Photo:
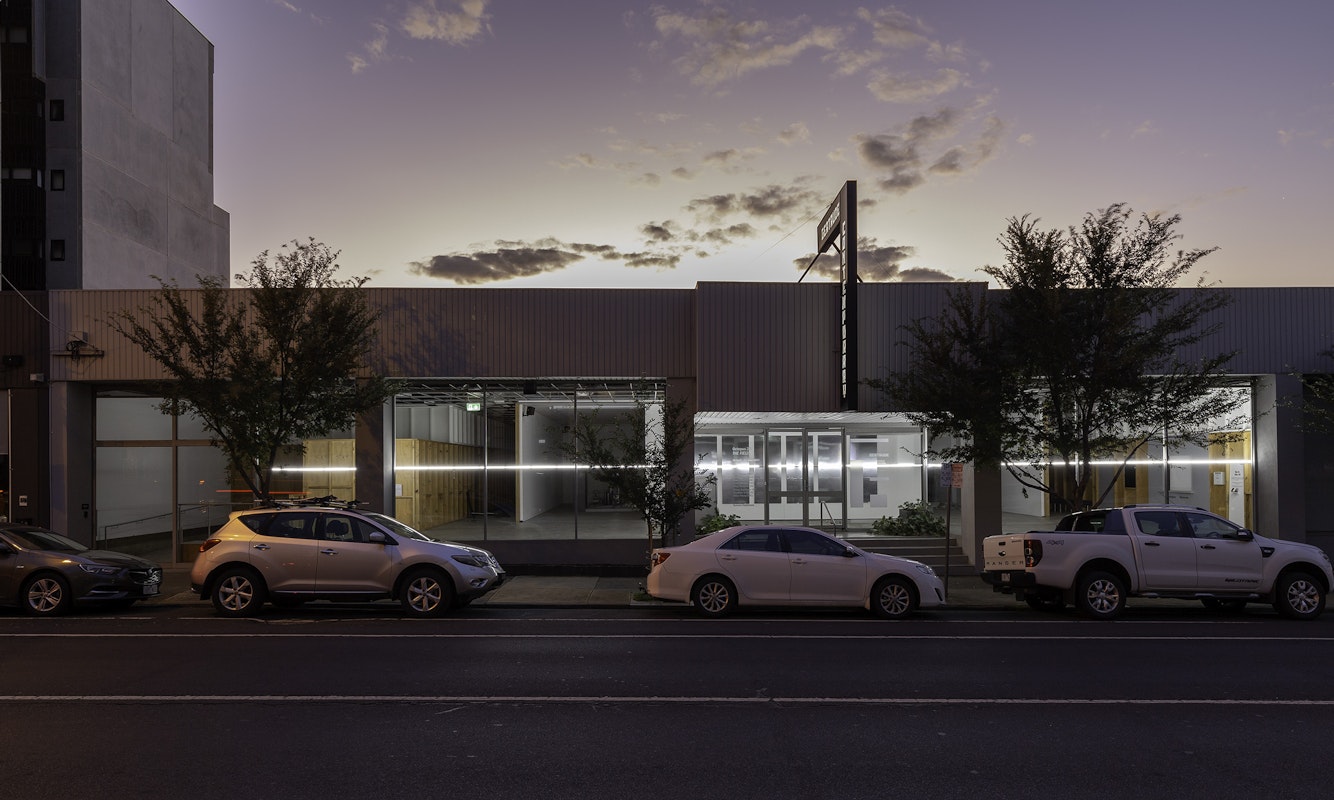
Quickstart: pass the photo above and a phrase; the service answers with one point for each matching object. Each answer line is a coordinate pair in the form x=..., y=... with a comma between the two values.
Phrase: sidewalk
x=564, y=591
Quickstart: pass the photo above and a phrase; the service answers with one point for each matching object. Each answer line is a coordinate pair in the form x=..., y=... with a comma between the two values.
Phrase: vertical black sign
x=839, y=226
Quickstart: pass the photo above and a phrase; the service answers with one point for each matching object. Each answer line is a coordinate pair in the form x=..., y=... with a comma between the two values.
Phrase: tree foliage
x=1318, y=403
x=266, y=368
x=647, y=457
x=1088, y=354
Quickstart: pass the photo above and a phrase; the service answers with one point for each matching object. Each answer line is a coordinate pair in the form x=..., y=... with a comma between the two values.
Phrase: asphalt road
x=656, y=703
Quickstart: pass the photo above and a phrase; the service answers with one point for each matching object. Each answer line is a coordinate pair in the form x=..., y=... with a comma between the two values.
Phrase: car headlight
x=473, y=561
x=924, y=569
x=98, y=569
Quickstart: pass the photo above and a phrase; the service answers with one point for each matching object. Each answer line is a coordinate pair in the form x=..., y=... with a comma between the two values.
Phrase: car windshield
x=399, y=528
x=38, y=539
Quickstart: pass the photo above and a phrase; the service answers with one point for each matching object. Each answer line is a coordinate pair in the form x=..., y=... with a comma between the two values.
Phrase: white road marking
x=672, y=636
x=477, y=699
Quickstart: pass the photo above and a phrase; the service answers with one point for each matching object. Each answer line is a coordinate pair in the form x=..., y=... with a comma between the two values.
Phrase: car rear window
x=257, y=522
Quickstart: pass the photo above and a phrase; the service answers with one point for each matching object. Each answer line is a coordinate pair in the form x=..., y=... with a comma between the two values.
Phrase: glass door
x=805, y=477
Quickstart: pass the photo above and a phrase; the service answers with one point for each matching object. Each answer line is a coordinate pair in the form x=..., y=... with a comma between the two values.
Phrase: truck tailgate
x=1004, y=552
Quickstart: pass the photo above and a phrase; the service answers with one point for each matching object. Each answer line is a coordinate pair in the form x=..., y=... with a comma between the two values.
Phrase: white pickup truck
x=1096, y=559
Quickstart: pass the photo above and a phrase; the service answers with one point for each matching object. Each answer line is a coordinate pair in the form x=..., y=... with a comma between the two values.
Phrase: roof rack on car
x=326, y=501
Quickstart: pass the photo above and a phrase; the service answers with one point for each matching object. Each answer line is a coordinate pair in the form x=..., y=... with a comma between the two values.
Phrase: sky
x=596, y=143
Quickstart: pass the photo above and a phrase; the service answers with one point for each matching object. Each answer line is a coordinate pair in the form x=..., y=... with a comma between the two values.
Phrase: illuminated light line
x=733, y=467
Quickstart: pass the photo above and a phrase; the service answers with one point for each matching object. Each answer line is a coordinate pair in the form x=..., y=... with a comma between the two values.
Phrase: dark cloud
x=900, y=154
x=768, y=202
x=657, y=232
x=497, y=265
x=875, y=264
x=512, y=259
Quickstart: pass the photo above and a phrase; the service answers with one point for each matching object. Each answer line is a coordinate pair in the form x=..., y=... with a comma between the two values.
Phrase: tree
x=1318, y=406
x=1086, y=356
x=645, y=454
x=267, y=368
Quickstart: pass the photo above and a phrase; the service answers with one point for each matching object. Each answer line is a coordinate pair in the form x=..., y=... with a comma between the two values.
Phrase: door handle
x=328, y=551
x=261, y=547
x=1206, y=547
x=1152, y=544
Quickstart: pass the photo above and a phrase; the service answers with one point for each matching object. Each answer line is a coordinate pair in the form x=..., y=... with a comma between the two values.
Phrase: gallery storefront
x=469, y=451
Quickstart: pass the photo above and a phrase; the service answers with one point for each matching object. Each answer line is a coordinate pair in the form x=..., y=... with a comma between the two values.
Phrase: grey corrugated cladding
x=751, y=346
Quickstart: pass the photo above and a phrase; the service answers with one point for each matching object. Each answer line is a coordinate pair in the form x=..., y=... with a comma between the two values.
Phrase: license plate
x=1005, y=577
x=150, y=589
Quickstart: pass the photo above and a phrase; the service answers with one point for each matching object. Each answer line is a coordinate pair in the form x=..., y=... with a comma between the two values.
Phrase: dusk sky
x=593, y=143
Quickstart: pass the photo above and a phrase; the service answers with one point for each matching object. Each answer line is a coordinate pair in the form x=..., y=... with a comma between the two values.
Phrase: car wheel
x=893, y=597
x=46, y=595
x=238, y=593
x=427, y=593
x=1049, y=603
x=1101, y=595
x=1223, y=604
x=713, y=596
x=1298, y=595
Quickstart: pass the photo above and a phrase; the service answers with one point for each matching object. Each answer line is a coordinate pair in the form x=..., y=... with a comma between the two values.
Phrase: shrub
x=914, y=519
x=716, y=522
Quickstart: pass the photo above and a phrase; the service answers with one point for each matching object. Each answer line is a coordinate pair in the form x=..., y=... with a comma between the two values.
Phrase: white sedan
x=789, y=566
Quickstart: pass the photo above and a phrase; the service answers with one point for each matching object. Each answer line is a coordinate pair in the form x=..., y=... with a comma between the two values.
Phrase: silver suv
x=325, y=549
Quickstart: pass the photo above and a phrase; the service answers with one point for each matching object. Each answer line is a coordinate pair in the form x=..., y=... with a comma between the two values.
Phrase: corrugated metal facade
x=22, y=338
x=454, y=333
x=751, y=346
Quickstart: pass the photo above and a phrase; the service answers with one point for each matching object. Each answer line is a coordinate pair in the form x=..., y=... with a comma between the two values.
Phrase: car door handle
x=1206, y=547
x=726, y=558
x=261, y=547
x=1152, y=544
x=329, y=551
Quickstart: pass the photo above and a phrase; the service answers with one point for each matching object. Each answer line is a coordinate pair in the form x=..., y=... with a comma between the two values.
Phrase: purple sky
x=600, y=143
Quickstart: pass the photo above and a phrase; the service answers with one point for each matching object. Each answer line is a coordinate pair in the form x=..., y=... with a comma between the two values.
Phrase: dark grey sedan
x=46, y=574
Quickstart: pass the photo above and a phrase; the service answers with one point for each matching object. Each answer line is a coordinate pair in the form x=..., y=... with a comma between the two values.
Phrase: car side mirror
x=850, y=553
x=377, y=538
x=1245, y=535
x=5, y=549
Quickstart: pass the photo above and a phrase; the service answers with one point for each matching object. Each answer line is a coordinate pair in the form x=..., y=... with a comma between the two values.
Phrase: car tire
x=1100, y=595
x=238, y=592
x=713, y=596
x=1049, y=603
x=427, y=593
x=1299, y=595
x=46, y=595
x=893, y=597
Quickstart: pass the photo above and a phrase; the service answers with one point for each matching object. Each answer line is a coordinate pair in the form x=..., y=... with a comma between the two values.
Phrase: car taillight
x=1032, y=552
x=658, y=557
x=209, y=543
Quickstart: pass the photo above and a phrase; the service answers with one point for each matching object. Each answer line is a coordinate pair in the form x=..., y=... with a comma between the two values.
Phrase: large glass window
x=837, y=471
x=1216, y=474
x=134, y=501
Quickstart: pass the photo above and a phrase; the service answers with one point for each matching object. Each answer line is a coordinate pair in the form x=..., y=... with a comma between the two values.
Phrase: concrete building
x=107, y=147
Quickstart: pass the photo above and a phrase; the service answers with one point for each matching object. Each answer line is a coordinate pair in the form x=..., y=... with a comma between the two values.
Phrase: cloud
x=722, y=49
x=901, y=154
x=875, y=264
x=1144, y=129
x=458, y=23
x=774, y=201
x=374, y=50
x=461, y=22
x=795, y=133
x=894, y=28
x=892, y=88
x=509, y=260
